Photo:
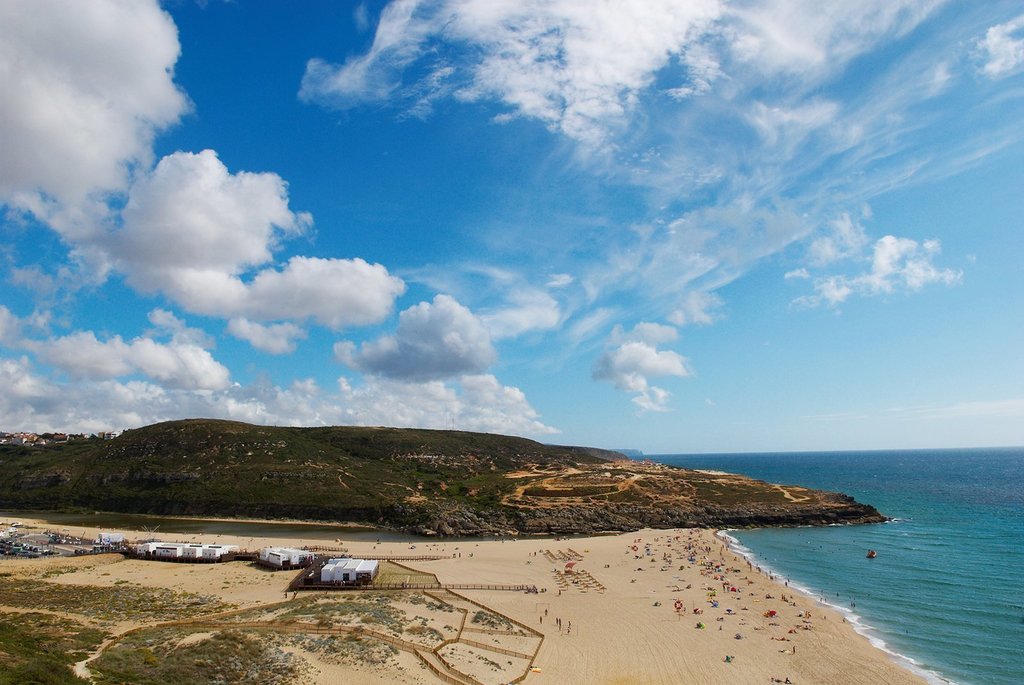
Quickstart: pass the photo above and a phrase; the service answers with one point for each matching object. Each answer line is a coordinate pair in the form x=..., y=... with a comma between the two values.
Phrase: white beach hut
x=214, y=552
x=167, y=550
x=350, y=571
x=193, y=551
x=285, y=557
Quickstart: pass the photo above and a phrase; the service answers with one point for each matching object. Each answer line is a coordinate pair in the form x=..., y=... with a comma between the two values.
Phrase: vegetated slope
x=449, y=482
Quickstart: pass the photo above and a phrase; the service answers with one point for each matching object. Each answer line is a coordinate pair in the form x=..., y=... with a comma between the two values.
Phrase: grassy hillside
x=215, y=467
x=450, y=482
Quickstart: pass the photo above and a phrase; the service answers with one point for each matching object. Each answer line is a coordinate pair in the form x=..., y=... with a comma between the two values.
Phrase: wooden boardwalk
x=303, y=583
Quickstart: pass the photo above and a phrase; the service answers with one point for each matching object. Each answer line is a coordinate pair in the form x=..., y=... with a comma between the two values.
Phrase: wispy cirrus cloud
x=576, y=67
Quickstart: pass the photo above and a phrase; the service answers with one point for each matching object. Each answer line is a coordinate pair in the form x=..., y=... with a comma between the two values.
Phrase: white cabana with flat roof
x=217, y=551
x=167, y=551
x=285, y=557
x=192, y=551
x=183, y=550
x=348, y=570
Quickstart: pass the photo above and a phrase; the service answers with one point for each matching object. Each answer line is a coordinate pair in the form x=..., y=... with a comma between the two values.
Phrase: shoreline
x=654, y=644
x=852, y=617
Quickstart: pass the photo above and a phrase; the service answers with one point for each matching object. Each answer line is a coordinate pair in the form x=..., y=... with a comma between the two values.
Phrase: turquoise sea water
x=946, y=591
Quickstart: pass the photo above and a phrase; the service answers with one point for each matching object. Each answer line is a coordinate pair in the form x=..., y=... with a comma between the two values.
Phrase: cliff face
x=572, y=521
x=432, y=482
x=623, y=496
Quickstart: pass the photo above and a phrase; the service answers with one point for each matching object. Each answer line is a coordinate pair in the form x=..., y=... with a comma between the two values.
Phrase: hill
x=428, y=481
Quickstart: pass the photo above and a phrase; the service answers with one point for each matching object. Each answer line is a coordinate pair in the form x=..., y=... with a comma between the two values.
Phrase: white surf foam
x=854, y=619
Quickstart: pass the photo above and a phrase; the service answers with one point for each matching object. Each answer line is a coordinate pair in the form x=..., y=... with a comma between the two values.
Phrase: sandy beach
x=650, y=607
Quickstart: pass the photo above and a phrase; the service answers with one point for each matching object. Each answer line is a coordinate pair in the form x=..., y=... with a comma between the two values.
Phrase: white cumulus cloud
x=279, y=338
x=190, y=212
x=635, y=358
x=87, y=86
x=434, y=340
x=194, y=231
x=178, y=365
x=477, y=402
x=1002, y=48
x=895, y=264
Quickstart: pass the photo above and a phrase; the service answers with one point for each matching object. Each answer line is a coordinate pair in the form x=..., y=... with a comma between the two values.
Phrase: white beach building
x=285, y=557
x=192, y=551
x=213, y=552
x=168, y=551
x=350, y=571
x=183, y=550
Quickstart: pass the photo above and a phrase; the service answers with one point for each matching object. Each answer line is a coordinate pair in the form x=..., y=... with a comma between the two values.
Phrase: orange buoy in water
x=872, y=554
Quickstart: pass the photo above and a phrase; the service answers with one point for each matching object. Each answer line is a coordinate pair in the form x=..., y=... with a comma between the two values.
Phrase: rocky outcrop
x=42, y=480
x=463, y=521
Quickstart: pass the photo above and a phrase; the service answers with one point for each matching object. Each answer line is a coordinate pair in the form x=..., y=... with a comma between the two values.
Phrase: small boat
x=872, y=554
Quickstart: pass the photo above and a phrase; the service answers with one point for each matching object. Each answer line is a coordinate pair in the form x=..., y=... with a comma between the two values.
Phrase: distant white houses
x=183, y=550
x=285, y=557
x=351, y=571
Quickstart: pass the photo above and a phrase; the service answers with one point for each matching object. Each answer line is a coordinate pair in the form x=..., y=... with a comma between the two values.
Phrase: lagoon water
x=946, y=590
x=180, y=528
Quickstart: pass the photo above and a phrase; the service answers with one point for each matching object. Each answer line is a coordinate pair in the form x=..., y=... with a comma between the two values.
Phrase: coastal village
x=654, y=606
x=28, y=439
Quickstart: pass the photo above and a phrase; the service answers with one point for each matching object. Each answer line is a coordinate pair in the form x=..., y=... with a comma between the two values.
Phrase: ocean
x=945, y=593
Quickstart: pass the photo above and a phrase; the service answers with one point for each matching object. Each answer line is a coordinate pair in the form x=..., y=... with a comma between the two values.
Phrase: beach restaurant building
x=285, y=557
x=349, y=571
x=183, y=550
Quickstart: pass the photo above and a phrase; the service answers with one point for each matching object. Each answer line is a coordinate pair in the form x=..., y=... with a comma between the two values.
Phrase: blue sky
x=677, y=227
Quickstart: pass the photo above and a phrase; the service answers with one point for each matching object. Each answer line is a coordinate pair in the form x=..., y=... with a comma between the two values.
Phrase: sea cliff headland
x=449, y=483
